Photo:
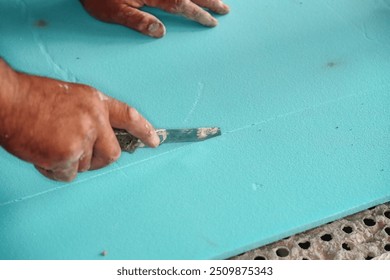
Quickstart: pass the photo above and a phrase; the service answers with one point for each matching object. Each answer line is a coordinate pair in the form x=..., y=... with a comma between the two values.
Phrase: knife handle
x=127, y=142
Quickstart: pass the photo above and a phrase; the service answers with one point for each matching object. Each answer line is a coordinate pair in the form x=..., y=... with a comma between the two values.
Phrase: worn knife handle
x=127, y=142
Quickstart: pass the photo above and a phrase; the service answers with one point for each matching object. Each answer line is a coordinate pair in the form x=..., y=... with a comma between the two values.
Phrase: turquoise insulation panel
x=301, y=90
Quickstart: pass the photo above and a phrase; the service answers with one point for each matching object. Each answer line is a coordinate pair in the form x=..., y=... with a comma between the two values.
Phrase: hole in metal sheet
x=259, y=258
x=372, y=208
x=305, y=259
x=326, y=237
x=282, y=252
x=387, y=230
x=387, y=247
x=387, y=214
x=304, y=245
x=346, y=247
x=347, y=229
x=369, y=222
x=369, y=257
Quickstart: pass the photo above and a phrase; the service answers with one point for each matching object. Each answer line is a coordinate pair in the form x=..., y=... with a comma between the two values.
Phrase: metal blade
x=187, y=135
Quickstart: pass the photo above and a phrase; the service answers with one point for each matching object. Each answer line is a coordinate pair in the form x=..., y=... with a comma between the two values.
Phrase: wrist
x=8, y=84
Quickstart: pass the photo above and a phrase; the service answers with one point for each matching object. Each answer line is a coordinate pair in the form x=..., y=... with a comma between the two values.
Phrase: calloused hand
x=127, y=13
x=64, y=128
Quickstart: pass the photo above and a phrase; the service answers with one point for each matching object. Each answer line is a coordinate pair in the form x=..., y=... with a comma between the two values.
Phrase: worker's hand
x=65, y=128
x=127, y=13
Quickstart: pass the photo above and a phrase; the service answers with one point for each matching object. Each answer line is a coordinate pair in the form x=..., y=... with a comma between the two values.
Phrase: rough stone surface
x=365, y=235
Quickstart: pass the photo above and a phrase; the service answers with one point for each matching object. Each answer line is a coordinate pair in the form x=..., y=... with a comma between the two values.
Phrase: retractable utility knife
x=129, y=143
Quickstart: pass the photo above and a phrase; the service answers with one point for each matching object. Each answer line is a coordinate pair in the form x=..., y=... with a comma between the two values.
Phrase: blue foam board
x=301, y=90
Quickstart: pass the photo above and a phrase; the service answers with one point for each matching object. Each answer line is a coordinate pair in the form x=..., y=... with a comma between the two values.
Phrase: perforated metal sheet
x=365, y=235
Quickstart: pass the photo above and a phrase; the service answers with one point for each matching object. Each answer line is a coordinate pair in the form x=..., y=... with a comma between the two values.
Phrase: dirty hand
x=127, y=13
x=64, y=128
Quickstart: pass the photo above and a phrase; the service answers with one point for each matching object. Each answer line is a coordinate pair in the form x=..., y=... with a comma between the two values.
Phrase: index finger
x=188, y=9
x=214, y=5
x=196, y=13
x=126, y=117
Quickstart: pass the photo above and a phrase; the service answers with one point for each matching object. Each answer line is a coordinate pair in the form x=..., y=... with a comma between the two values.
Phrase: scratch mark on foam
x=360, y=27
x=23, y=7
x=195, y=104
x=60, y=72
x=365, y=33
x=119, y=168
x=285, y=115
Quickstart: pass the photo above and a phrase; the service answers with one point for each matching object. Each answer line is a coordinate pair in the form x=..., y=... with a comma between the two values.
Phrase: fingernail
x=85, y=169
x=224, y=10
x=208, y=21
x=214, y=22
x=155, y=140
x=156, y=30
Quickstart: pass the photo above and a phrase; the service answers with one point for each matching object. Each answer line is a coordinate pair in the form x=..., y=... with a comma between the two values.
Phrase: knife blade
x=130, y=143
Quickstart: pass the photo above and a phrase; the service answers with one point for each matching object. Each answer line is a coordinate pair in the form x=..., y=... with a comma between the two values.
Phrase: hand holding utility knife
x=129, y=143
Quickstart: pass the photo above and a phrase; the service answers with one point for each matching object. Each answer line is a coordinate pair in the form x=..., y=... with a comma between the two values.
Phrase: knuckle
x=91, y=92
x=177, y=6
x=132, y=114
x=196, y=14
x=110, y=154
x=115, y=153
x=84, y=168
x=64, y=173
x=179, y=3
x=65, y=176
x=70, y=152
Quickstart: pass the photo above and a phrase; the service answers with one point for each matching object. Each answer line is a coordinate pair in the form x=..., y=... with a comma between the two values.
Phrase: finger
x=125, y=117
x=196, y=13
x=64, y=174
x=85, y=161
x=140, y=21
x=216, y=6
x=189, y=10
x=106, y=149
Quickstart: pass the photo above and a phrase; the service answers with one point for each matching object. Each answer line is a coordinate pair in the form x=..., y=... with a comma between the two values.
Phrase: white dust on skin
x=101, y=95
x=199, y=15
x=162, y=134
x=140, y=144
x=153, y=29
x=203, y=133
x=65, y=87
